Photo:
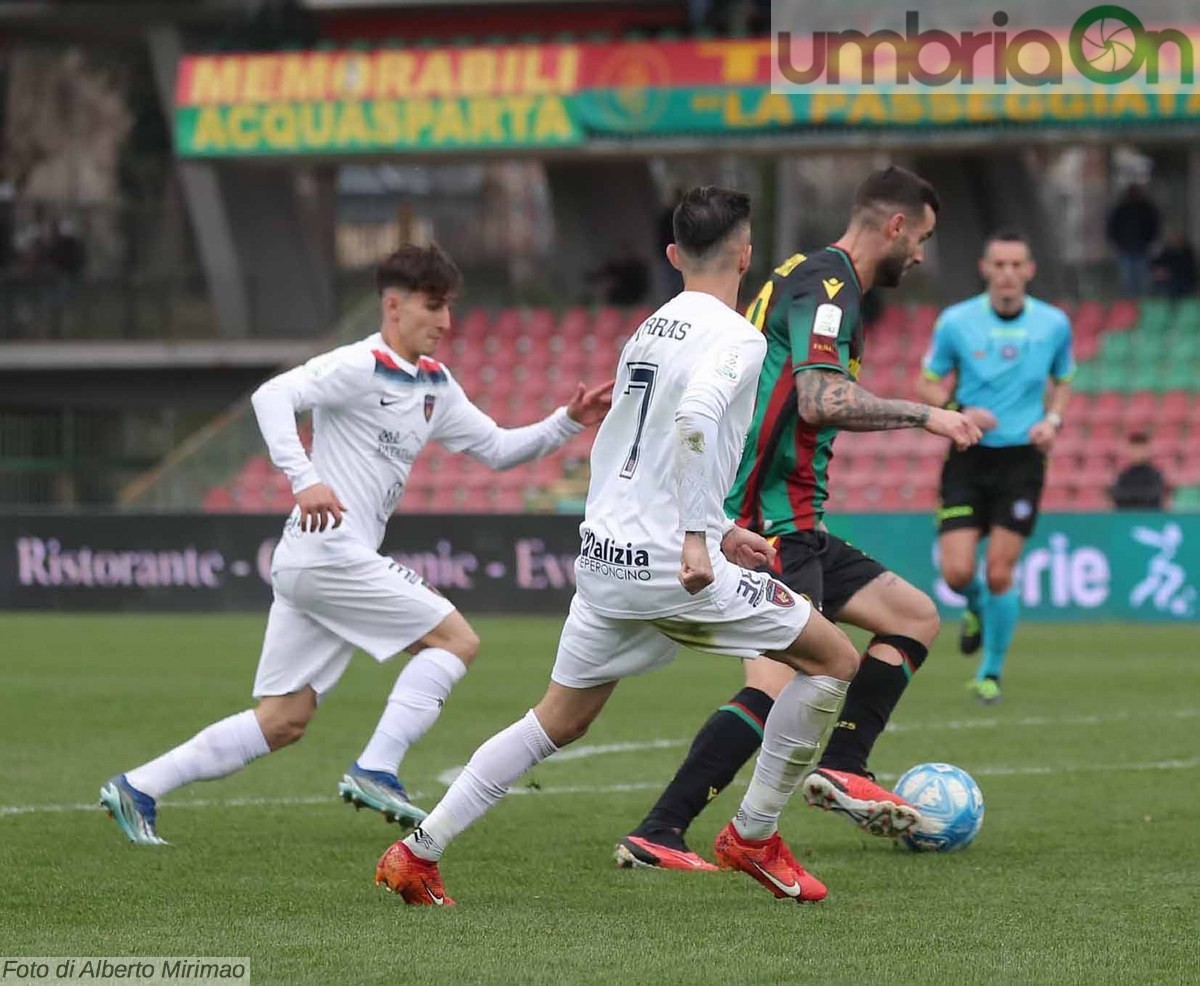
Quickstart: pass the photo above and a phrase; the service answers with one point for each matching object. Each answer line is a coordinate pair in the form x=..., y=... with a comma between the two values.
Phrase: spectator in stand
x=1133, y=226
x=1174, y=266
x=1140, y=485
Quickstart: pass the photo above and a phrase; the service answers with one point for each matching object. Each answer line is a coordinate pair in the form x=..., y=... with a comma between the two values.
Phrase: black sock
x=718, y=752
x=870, y=699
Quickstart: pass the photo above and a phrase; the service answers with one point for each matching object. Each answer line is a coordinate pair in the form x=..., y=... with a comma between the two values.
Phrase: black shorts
x=823, y=567
x=992, y=487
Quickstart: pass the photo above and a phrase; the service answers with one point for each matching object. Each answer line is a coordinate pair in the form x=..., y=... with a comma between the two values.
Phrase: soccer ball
x=950, y=803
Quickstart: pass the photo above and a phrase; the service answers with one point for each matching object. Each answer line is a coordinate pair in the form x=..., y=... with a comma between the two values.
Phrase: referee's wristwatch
x=1055, y=419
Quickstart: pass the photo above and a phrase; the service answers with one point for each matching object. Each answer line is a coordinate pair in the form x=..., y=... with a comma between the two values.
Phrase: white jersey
x=373, y=412
x=694, y=347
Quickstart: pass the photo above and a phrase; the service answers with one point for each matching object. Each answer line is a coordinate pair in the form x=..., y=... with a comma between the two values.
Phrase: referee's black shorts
x=992, y=487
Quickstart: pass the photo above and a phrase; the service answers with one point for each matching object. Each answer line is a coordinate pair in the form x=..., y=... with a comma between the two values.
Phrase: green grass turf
x=1086, y=870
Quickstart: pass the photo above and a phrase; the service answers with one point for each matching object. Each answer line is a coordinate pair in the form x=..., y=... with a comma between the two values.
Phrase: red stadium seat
x=219, y=500
x=1088, y=317
x=1142, y=405
x=1180, y=406
x=607, y=323
x=540, y=323
x=472, y=328
x=573, y=326
x=1122, y=314
x=1056, y=498
x=1106, y=409
x=1090, y=498
x=921, y=319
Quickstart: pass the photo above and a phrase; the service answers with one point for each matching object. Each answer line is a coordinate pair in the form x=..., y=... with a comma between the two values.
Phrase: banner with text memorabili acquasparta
x=547, y=96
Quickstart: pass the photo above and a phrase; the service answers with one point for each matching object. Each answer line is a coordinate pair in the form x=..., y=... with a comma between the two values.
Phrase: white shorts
x=750, y=614
x=321, y=614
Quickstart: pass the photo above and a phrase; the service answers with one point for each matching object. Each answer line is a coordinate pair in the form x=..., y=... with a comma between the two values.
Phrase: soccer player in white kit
x=659, y=568
x=375, y=404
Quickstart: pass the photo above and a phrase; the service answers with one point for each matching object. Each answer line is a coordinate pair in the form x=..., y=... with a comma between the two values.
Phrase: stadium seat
x=540, y=323
x=573, y=326
x=1143, y=406
x=472, y=328
x=1179, y=406
x=1122, y=314
x=1106, y=409
x=219, y=500
x=1056, y=498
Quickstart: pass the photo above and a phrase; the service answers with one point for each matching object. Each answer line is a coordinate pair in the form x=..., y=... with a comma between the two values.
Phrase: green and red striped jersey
x=809, y=312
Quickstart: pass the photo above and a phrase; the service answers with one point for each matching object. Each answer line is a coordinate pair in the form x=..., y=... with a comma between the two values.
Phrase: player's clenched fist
x=318, y=505
x=695, y=566
x=957, y=427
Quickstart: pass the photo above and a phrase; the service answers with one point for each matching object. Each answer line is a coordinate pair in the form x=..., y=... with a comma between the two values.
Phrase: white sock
x=414, y=705
x=792, y=735
x=215, y=751
x=483, y=782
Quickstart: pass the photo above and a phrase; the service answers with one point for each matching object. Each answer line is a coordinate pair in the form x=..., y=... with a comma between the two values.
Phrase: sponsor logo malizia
x=608, y=557
x=606, y=549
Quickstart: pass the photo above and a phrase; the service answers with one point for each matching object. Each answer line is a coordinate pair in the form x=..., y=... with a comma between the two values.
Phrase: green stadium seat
x=1144, y=376
x=1086, y=380
x=1184, y=345
x=1156, y=315
x=1112, y=376
x=1117, y=346
x=1187, y=315
x=1180, y=376
x=1187, y=498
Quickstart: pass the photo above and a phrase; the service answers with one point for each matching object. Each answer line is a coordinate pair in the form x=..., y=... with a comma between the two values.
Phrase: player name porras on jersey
x=607, y=557
x=666, y=328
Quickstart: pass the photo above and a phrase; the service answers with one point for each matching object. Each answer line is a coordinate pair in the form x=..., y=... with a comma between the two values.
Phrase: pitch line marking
x=1031, y=721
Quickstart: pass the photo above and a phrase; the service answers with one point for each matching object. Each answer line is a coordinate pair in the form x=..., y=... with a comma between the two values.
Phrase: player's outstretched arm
x=829, y=399
x=465, y=428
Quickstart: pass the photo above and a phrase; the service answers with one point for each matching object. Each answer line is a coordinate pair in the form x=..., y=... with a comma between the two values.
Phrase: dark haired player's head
x=417, y=285
x=712, y=236
x=894, y=213
x=1007, y=266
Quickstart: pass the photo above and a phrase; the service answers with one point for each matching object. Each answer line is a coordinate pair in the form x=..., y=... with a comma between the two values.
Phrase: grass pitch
x=1086, y=871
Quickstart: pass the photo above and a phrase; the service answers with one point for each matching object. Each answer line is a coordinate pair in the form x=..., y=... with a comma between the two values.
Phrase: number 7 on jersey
x=641, y=377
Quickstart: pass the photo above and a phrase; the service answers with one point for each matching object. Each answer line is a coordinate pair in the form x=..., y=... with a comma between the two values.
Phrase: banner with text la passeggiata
x=1076, y=567
x=565, y=95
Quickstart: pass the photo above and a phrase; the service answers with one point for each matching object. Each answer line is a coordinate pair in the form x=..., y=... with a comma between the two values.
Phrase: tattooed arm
x=828, y=399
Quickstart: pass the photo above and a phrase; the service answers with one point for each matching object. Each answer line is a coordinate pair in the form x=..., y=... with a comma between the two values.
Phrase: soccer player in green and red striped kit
x=809, y=311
